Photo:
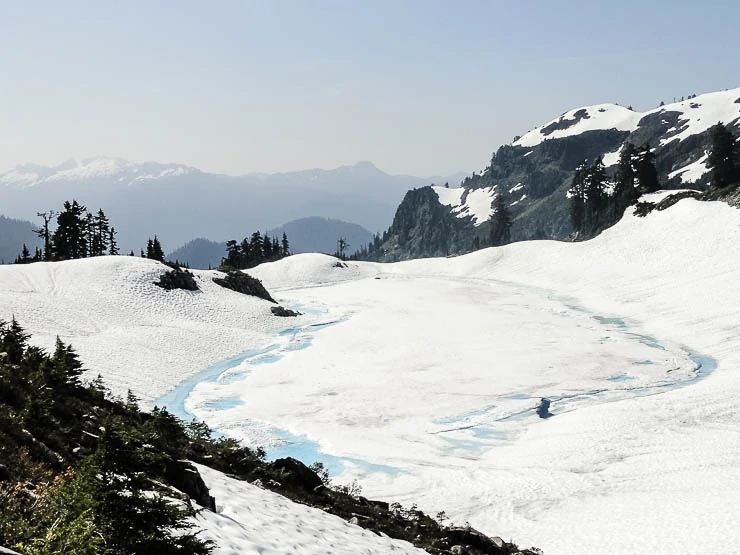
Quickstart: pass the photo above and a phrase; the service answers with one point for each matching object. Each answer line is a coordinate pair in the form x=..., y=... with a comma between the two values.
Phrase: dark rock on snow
x=177, y=278
x=282, y=311
x=543, y=410
x=298, y=473
x=185, y=477
x=245, y=284
x=465, y=535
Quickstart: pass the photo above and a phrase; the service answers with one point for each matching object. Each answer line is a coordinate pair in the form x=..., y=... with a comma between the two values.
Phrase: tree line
x=78, y=234
x=254, y=250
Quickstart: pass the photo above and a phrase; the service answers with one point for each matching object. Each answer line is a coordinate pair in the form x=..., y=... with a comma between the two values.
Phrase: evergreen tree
x=285, y=246
x=255, y=246
x=246, y=254
x=113, y=244
x=500, y=231
x=67, y=366
x=596, y=197
x=625, y=192
x=25, y=257
x=70, y=238
x=724, y=169
x=647, y=175
x=266, y=248
x=14, y=340
x=100, y=234
x=233, y=255
x=577, y=196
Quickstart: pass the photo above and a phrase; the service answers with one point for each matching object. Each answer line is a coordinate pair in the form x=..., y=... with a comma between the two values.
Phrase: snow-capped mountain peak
x=109, y=169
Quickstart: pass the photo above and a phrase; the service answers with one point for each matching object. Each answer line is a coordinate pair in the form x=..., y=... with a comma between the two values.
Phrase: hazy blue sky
x=419, y=87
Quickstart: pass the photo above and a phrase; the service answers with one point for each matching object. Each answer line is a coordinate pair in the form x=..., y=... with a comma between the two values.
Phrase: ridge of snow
x=478, y=203
x=696, y=116
x=600, y=116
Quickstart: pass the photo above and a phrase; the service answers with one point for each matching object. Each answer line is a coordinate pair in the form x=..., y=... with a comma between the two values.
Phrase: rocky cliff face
x=535, y=171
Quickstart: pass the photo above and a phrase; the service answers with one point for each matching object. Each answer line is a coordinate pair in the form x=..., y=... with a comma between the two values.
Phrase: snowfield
x=421, y=378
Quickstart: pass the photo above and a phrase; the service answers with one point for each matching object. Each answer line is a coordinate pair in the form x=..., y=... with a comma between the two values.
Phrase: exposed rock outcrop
x=244, y=283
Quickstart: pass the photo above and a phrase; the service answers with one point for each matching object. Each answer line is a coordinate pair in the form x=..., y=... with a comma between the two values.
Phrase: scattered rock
x=298, y=473
x=245, y=284
x=177, y=278
x=185, y=477
x=642, y=209
x=338, y=264
x=467, y=536
x=282, y=311
x=543, y=410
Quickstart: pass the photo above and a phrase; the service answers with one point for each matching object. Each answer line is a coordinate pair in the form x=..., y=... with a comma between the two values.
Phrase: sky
x=422, y=87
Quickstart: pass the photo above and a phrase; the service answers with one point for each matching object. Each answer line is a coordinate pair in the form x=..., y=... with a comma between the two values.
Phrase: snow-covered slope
x=695, y=116
x=136, y=334
x=424, y=387
x=250, y=520
x=580, y=120
x=476, y=204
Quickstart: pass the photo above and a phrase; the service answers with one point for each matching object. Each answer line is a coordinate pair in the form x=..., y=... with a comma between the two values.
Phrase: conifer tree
x=647, y=175
x=70, y=238
x=285, y=245
x=577, y=196
x=722, y=160
x=113, y=244
x=500, y=231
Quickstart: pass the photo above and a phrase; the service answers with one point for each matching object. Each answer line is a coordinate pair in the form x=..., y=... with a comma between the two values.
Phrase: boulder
x=298, y=473
x=543, y=410
x=185, y=477
x=282, y=311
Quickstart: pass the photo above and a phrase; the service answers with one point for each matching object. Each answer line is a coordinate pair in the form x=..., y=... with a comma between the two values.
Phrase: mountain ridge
x=536, y=170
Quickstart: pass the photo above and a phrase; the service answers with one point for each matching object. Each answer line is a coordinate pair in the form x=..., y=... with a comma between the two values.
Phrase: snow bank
x=251, y=520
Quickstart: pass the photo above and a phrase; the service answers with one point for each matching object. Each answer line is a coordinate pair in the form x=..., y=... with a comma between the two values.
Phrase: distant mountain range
x=179, y=202
x=536, y=170
x=312, y=234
